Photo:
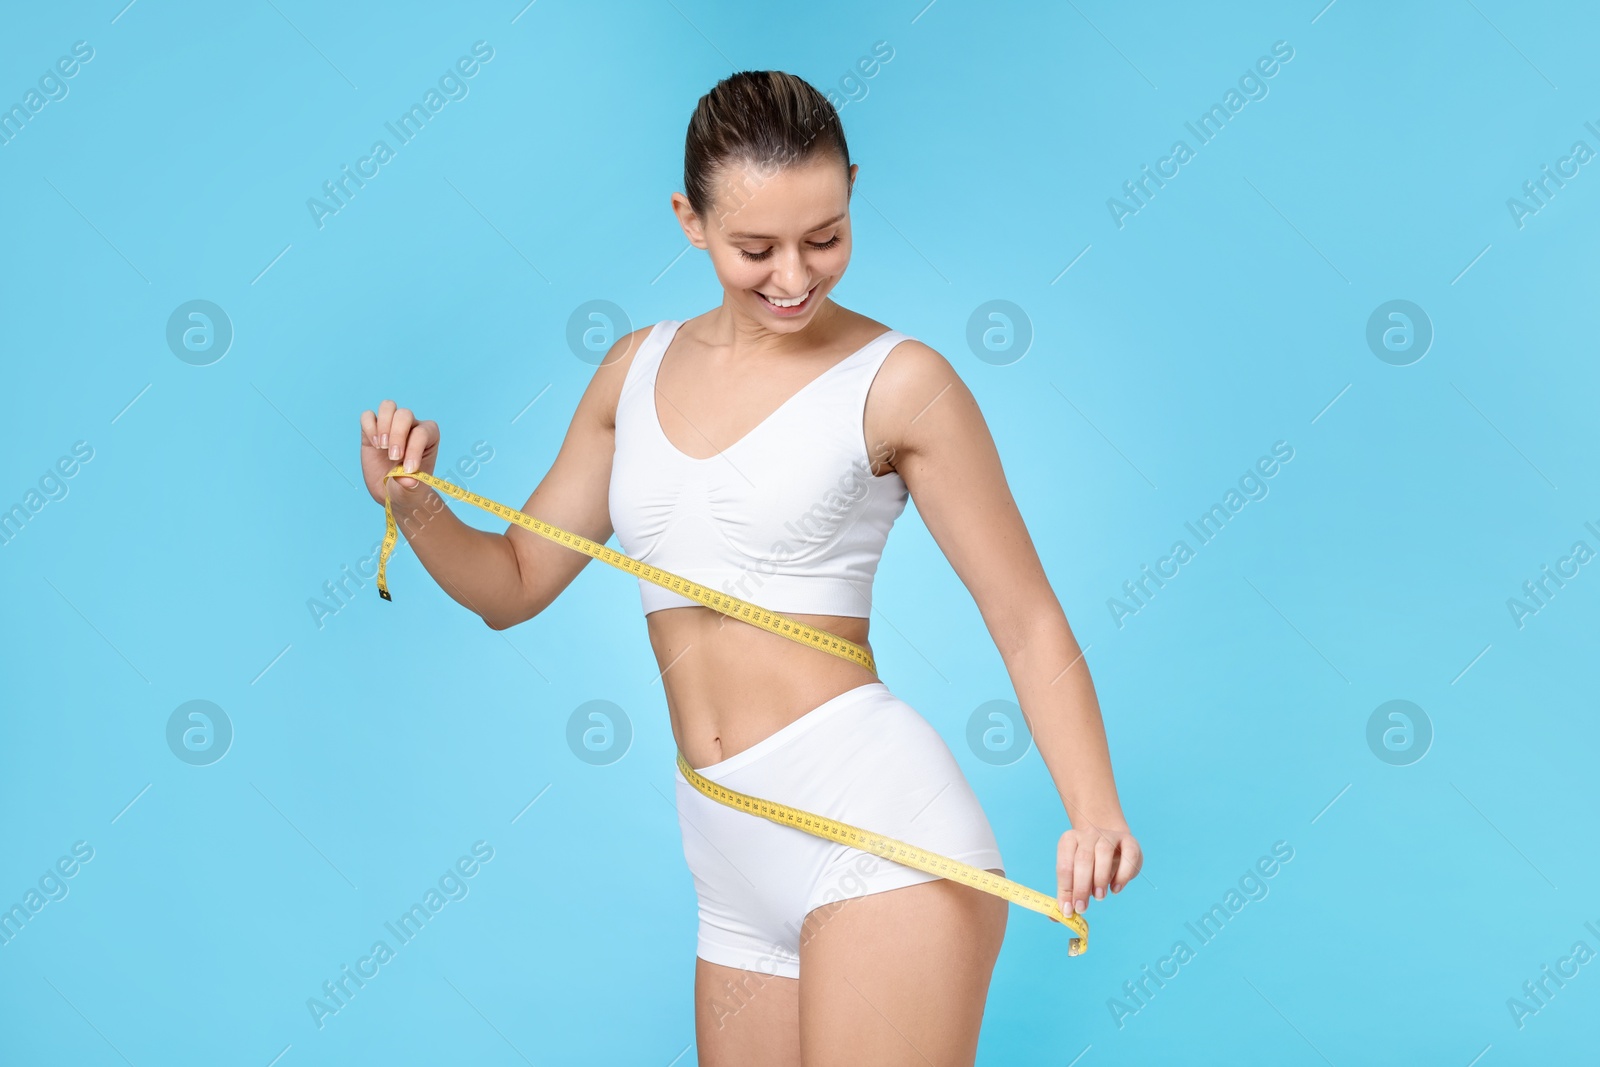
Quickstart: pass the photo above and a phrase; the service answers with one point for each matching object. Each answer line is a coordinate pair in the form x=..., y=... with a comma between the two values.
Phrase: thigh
x=745, y=1018
x=898, y=977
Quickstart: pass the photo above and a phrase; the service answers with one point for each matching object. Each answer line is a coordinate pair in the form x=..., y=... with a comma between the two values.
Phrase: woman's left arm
x=936, y=438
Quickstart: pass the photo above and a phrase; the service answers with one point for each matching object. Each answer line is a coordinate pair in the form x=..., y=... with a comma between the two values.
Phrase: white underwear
x=865, y=757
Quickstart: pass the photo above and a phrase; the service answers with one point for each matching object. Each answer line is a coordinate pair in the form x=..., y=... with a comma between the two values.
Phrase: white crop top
x=788, y=517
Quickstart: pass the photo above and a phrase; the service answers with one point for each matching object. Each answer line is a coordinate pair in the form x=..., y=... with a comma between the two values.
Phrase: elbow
x=521, y=610
x=508, y=620
x=1044, y=624
x=521, y=606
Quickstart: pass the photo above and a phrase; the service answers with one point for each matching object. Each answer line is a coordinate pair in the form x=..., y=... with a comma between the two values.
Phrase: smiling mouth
x=788, y=304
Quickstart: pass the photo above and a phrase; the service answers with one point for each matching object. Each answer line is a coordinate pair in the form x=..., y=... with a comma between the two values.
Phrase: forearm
x=476, y=568
x=1053, y=686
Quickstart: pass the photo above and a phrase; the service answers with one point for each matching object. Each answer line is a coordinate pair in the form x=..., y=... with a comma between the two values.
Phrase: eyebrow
x=769, y=237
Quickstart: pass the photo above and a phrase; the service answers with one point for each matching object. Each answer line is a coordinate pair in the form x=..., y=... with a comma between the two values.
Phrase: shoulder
x=911, y=376
x=915, y=399
x=605, y=385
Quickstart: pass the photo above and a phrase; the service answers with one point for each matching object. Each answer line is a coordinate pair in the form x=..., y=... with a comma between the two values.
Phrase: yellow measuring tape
x=817, y=825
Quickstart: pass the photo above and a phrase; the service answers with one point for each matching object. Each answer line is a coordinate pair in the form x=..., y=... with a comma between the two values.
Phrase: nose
x=790, y=273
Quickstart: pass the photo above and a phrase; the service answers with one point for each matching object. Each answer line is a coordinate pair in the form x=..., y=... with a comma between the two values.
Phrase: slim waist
x=850, y=698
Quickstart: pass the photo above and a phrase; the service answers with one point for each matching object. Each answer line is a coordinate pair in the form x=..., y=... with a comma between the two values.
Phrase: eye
x=756, y=257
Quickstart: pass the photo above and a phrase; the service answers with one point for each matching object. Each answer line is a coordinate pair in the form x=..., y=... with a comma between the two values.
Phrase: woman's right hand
x=391, y=436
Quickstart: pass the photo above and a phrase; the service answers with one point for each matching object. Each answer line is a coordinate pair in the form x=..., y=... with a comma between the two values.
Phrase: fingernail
x=394, y=453
x=383, y=442
x=1099, y=894
x=1082, y=904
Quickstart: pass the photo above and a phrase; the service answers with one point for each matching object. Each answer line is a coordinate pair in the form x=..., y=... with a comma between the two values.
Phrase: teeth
x=787, y=303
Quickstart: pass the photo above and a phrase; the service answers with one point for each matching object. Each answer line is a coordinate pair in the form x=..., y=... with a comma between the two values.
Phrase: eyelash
x=758, y=256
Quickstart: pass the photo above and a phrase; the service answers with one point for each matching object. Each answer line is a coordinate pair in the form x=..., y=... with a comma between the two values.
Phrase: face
x=779, y=239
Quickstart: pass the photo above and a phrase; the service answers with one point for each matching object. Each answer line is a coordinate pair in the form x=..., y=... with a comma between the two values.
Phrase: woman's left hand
x=1091, y=860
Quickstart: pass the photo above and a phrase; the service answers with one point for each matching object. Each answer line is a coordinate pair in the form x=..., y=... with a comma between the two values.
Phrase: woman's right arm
x=509, y=577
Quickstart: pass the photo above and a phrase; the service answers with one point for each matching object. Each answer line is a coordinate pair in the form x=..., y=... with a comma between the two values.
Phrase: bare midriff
x=729, y=684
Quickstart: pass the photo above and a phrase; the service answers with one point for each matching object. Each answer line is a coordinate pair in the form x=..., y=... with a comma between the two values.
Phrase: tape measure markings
x=817, y=825
x=893, y=849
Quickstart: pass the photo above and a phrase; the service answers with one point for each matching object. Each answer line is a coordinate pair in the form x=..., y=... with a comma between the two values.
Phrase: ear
x=852, y=186
x=693, y=227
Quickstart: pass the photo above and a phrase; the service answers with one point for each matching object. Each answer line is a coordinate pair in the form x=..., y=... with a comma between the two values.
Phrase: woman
x=764, y=448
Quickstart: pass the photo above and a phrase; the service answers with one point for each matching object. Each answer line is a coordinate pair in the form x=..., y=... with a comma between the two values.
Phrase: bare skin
x=728, y=685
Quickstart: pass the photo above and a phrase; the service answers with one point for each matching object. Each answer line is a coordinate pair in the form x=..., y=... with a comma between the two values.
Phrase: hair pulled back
x=762, y=117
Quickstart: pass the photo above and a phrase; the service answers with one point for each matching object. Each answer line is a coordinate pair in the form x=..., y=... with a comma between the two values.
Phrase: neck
x=743, y=335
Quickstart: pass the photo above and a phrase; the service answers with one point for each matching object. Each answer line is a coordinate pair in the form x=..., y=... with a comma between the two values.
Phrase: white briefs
x=865, y=757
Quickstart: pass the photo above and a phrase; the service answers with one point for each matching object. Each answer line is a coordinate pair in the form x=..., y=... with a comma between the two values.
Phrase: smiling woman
x=763, y=176
x=697, y=442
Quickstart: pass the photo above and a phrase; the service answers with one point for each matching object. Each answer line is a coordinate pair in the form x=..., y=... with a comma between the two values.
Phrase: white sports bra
x=788, y=517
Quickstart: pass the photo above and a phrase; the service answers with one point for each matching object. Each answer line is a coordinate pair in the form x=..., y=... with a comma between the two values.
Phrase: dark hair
x=764, y=117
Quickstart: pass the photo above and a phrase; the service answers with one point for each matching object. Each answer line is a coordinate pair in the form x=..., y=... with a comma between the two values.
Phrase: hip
x=864, y=757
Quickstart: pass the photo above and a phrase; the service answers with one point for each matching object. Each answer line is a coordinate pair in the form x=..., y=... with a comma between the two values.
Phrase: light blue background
x=1225, y=315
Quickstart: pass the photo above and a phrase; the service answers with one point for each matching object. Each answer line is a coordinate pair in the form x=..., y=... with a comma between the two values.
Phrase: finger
x=369, y=428
x=385, y=416
x=1064, y=855
x=416, y=444
x=430, y=444
x=1105, y=851
x=1129, y=863
x=399, y=430
x=1082, y=875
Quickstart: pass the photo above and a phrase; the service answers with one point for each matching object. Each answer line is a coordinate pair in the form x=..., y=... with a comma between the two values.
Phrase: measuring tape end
x=1078, y=945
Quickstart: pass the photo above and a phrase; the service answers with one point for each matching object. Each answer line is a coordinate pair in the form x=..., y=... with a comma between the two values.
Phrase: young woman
x=764, y=448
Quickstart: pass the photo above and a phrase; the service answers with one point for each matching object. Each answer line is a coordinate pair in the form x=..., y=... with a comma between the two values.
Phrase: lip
x=787, y=313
